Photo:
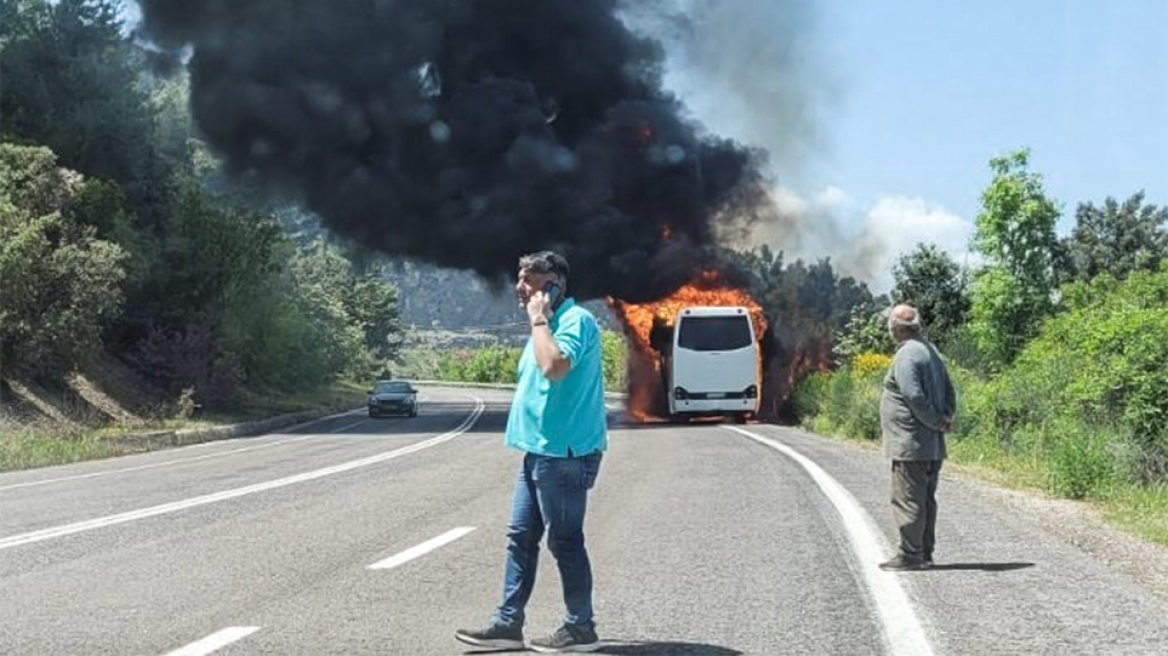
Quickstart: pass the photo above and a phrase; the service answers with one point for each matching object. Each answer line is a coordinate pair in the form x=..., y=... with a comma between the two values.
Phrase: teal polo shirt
x=553, y=417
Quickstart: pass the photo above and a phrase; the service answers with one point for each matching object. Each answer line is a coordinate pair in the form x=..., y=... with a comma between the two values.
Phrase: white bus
x=713, y=368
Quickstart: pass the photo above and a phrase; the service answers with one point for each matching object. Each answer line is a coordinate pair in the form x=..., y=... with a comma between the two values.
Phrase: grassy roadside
x=1138, y=510
x=47, y=443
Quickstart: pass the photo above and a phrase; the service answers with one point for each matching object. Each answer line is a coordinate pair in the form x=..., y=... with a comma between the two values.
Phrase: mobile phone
x=555, y=294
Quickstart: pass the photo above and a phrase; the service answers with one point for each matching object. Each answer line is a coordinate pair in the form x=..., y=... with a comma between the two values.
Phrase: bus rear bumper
x=713, y=406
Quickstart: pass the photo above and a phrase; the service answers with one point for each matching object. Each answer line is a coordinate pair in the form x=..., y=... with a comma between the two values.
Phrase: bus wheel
x=741, y=417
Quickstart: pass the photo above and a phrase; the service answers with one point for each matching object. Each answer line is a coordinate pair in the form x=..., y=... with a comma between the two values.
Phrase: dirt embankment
x=103, y=392
x=134, y=415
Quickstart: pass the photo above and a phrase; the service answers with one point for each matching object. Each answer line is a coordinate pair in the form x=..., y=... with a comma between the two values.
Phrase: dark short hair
x=545, y=262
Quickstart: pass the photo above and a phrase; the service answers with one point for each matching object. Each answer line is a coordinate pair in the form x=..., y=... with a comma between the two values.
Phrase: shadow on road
x=984, y=567
x=646, y=648
x=662, y=648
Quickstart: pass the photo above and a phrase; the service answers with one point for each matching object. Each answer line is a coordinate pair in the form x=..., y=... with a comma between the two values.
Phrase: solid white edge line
x=347, y=427
x=422, y=549
x=142, y=513
x=215, y=641
x=902, y=629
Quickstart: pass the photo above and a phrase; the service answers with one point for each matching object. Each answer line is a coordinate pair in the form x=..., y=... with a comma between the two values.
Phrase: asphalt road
x=359, y=536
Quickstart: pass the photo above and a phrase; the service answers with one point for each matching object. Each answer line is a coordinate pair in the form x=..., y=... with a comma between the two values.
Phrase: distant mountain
x=432, y=298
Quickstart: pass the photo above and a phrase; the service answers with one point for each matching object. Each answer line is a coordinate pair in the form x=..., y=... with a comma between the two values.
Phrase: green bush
x=1085, y=402
x=970, y=388
x=1103, y=361
x=811, y=395
x=615, y=354
x=1080, y=459
x=847, y=401
x=500, y=364
x=234, y=304
x=450, y=364
x=840, y=399
x=58, y=281
x=862, y=418
x=494, y=364
x=490, y=364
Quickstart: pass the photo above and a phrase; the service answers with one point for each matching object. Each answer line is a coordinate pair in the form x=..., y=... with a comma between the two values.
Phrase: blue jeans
x=551, y=494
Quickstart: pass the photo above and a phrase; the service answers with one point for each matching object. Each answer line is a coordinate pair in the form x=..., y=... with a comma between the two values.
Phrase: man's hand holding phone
x=537, y=308
x=543, y=303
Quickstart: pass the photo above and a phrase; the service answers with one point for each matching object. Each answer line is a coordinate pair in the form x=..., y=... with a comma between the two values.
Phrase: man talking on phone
x=558, y=421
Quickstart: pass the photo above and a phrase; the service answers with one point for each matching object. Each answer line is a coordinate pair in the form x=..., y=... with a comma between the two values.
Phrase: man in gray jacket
x=916, y=410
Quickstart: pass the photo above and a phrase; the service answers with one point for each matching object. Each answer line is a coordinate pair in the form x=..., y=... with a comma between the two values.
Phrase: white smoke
x=757, y=71
x=862, y=242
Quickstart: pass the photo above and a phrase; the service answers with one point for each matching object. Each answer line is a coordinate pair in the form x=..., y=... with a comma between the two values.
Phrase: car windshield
x=392, y=387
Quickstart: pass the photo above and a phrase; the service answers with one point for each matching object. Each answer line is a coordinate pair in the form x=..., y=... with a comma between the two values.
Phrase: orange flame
x=645, y=324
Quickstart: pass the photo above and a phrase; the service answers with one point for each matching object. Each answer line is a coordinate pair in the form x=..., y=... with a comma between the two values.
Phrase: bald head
x=904, y=322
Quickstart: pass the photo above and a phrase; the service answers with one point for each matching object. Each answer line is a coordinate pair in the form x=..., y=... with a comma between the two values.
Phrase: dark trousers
x=914, y=505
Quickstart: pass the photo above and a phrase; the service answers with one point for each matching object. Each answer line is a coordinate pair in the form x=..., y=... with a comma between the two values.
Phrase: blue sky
x=933, y=91
x=882, y=116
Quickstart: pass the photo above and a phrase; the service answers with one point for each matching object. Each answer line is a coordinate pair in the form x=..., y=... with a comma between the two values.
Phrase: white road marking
x=902, y=630
x=345, y=428
x=422, y=549
x=180, y=461
x=215, y=641
x=121, y=518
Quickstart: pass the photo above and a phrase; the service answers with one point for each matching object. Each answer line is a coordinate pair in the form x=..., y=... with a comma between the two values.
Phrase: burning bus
x=711, y=366
x=705, y=338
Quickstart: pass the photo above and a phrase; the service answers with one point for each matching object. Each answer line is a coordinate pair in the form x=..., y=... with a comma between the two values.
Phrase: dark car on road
x=393, y=397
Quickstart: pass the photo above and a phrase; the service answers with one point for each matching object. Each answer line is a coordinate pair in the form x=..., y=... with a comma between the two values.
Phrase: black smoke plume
x=465, y=132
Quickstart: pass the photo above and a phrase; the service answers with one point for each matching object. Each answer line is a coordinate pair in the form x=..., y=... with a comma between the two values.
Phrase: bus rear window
x=714, y=333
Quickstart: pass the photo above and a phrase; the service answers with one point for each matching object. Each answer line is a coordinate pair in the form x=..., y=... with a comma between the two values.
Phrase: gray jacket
x=918, y=397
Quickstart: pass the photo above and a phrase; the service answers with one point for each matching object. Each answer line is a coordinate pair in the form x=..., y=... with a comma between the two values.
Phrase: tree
x=1013, y=293
x=217, y=296
x=814, y=314
x=59, y=283
x=930, y=280
x=1101, y=367
x=71, y=82
x=1118, y=239
x=810, y=300
x=865, y=332
x=371, y=304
